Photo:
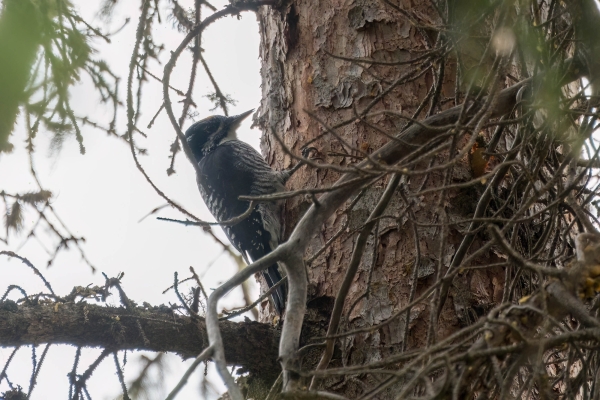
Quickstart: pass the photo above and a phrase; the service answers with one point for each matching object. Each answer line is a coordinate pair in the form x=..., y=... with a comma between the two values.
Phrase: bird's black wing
x=230, y=171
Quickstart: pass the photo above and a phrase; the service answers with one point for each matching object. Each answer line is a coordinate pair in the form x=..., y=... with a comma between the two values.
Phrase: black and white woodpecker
x=229, y=168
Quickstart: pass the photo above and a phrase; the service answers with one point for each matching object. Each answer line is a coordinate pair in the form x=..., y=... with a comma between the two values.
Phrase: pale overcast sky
x=102, y=196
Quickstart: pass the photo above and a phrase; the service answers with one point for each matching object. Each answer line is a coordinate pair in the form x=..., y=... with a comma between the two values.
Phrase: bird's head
x=205, y=135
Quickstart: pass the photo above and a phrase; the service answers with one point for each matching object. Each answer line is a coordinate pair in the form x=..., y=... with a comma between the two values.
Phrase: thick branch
x=251, y=345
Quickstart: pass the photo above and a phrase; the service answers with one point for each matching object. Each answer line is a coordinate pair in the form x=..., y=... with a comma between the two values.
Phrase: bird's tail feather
x=279, y=296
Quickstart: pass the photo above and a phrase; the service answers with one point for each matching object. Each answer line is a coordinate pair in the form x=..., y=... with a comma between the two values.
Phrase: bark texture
x=299, y=75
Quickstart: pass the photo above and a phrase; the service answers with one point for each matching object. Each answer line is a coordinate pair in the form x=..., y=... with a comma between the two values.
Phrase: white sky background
x=102, y=196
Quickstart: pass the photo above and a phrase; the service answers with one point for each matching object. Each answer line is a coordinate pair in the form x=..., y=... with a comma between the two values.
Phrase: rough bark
x=298, y=75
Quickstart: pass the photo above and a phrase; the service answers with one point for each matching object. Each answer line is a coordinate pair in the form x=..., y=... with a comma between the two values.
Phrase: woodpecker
x=229, y=168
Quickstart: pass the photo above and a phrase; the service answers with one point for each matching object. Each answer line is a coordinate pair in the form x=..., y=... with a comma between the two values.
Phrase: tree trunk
x=327, y=64
x=300, y=77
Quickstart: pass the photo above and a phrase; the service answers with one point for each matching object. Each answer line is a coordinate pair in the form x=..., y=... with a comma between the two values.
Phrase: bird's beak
x=236, y=119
